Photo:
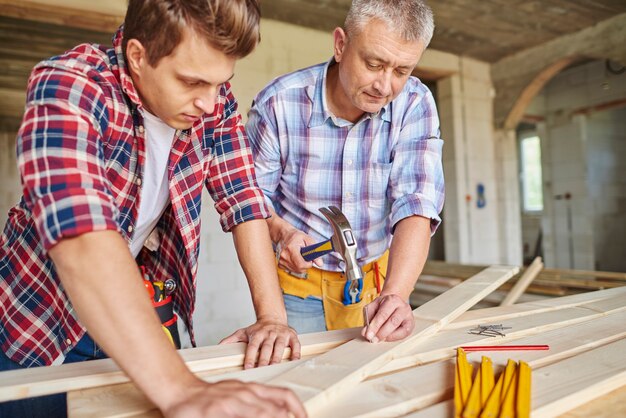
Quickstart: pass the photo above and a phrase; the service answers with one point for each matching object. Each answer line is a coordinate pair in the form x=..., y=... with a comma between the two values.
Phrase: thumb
x=238, y=336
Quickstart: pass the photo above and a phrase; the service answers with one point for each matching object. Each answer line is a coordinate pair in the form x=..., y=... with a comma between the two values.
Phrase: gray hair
x=413, y=19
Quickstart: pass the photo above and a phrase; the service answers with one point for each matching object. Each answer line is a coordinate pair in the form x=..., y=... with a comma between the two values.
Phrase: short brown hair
x=231, y=26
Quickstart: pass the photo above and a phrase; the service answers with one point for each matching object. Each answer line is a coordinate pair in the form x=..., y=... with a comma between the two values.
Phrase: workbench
x=583, y=373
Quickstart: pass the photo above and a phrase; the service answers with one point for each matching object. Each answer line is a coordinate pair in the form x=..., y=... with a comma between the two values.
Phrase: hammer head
x=343, y=241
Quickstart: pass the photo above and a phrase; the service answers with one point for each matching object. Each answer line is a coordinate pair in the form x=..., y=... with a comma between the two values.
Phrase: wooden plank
x=328, y=376
x=443, y=345
x=508, y=312
x=42, y=381
x=39, y=381
x=567, y=384
x=520, y=287
x=611, y=405
x=565, y=341
x=571, y=343
x=397, y=394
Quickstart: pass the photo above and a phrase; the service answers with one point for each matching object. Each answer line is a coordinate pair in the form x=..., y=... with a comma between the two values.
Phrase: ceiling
x=487, y=30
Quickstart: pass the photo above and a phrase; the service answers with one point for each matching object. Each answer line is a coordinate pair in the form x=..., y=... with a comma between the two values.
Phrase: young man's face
x=183, y=85
x=374, y=66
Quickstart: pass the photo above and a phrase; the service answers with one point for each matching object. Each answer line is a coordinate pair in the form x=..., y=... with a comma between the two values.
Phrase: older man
x=360, y=133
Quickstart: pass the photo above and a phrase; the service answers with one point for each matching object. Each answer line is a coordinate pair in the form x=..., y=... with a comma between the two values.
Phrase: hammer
x=344, y=243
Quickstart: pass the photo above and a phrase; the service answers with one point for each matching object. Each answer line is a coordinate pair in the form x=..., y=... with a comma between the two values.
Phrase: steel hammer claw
x=342, y=242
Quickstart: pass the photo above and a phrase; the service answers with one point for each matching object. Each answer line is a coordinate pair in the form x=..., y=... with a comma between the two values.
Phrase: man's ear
x=340, y=39
x=136, y=57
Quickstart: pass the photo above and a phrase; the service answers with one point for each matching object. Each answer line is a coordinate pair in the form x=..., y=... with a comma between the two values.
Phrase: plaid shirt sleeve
x=232, y=181
x=60, y=156
x=416, y=180
x=266, y=148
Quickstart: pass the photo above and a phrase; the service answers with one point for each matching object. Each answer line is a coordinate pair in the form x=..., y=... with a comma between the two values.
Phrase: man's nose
x=382, y=84
x=206, y=102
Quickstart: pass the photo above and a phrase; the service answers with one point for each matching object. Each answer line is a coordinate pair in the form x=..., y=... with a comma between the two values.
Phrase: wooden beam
x=520, y=287
x=40, y=381
x=329, y=375
x=389, y=394
x=59, y=15
x=567, y=384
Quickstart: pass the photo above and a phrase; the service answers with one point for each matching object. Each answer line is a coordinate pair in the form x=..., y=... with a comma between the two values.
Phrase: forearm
x=106, y=289
x=254, y=249
x=407, y=255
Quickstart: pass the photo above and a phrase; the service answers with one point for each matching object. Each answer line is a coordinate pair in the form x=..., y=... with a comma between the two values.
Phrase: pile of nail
x=489, y=330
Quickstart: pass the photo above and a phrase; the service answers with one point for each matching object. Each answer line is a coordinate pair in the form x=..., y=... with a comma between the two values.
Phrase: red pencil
x=505, y=347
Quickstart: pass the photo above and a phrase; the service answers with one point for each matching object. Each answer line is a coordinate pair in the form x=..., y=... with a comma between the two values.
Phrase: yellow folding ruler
x=483, y=397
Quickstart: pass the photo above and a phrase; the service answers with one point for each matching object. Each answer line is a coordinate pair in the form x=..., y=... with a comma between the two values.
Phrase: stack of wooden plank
x=439, y=276
x=345, y=376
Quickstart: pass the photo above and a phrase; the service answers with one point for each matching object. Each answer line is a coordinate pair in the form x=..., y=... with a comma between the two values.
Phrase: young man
x=114, y=149
x=361, y=134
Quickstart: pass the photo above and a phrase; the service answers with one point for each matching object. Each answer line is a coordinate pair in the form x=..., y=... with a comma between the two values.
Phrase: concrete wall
x=465, y=102
x=10, y=189
x=606, y=150
x=580, y=153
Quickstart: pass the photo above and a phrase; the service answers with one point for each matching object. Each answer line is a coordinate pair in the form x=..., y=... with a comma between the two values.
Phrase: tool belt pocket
x=338, y=315
x=165, y=310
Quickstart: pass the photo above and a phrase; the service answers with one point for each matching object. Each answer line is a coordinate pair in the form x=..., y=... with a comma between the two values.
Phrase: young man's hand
x=267, y=341
x=232, y=398
x=391, y=319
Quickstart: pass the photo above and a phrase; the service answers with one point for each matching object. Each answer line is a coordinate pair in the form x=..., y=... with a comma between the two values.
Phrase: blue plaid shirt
x=378, y=171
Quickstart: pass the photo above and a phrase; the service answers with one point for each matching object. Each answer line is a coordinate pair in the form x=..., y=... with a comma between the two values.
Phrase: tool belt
x=164, y=306
x=329, y=286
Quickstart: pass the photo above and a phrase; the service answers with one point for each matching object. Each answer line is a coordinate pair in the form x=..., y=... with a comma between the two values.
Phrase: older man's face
x=374, y=65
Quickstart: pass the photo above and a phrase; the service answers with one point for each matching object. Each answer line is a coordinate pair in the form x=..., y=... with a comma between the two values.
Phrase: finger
x=392, y=323
x=252, y=352
x=403, y=331
x=292, y=260
x=296, y=348
x=281, y=396
x=267, y=348
x=235, y=337
x=279, y=349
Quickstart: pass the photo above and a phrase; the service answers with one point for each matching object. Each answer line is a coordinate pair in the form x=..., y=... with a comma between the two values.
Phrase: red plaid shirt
x=80, y=154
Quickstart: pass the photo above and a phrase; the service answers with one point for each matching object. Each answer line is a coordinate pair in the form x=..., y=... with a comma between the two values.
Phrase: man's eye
x=192, y=83
x=373, y=66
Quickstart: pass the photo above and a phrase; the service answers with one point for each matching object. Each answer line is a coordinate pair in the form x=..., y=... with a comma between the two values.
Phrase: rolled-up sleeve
x=261, y=130
x=60, y=157
x=232, y=181
x=416, y=179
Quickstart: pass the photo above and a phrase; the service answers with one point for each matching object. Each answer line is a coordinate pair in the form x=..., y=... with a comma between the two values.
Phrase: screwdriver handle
x=311, y=252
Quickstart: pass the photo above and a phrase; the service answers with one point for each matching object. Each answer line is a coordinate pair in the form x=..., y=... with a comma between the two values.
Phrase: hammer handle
x=311, y=252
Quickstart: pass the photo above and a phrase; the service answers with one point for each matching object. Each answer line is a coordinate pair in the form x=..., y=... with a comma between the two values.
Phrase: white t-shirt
x=155, y=194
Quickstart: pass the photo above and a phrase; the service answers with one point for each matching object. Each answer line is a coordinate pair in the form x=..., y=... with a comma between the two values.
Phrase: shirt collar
x=321, y=112
x=124, y=76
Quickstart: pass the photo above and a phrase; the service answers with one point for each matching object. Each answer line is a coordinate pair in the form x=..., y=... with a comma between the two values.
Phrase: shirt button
x=349, y=162
x=138, y=182
x=349, y=194
x=68, y=341
x=130, y=228
x=141, y=129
